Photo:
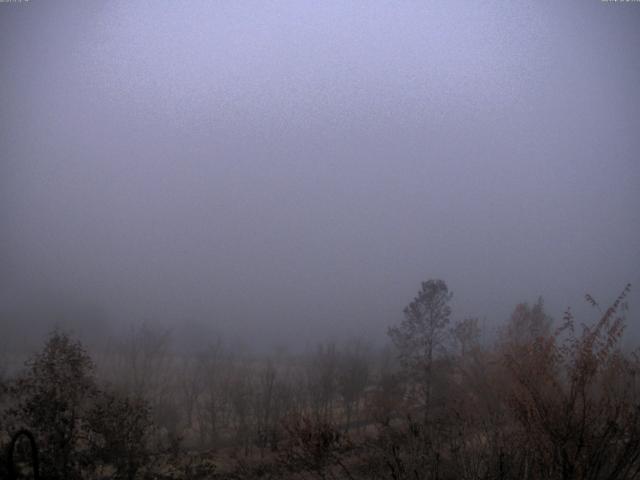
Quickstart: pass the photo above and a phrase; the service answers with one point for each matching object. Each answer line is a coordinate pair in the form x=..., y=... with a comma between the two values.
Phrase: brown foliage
x=575, y=399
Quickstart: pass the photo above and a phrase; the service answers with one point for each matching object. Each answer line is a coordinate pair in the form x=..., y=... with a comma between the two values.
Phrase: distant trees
x=527, y=324
x=212, y=402
x=144, y=358
x=466, y=335
x=272, y=400
x=240, y=398
x=422, y=333
x=321, y=373
x=353, y=376
x=542, y=401
x=192, y=385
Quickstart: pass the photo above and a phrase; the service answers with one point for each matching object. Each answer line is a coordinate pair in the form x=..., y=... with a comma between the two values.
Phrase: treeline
x=543, y=400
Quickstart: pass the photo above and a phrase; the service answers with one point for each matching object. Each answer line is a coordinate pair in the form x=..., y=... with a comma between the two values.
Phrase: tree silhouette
x=422, y=333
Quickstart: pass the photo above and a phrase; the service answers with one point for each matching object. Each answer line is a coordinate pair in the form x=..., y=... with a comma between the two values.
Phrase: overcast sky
x=287, y=171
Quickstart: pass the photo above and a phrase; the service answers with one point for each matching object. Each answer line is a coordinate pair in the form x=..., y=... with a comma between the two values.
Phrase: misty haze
x=332, y=240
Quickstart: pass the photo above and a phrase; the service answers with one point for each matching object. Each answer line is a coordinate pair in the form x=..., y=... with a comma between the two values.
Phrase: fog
x=286, y=172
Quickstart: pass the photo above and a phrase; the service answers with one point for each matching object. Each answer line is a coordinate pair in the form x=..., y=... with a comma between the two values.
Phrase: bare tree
x=240, y=391
x=192, y=384
x=527, y=324
x=264, y=404
x=353, y=375
x=466, y=335
x=273, y=400
x=322, y=381
x=144, y=359
x=211, y=406
x=421, y=334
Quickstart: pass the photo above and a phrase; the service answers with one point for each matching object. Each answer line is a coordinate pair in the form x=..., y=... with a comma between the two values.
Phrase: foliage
x=76, y=425
x=575, y=397
x=528, y=324
x=466, y=335
x=119, y=433
x=316, y=447
x=53, y=398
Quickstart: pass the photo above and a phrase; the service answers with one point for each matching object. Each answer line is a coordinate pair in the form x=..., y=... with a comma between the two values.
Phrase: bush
x=119, y=430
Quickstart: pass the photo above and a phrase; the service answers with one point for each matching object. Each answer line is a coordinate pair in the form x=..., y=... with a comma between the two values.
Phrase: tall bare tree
x=421, y=334
x=353, y=375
